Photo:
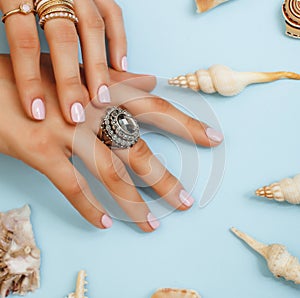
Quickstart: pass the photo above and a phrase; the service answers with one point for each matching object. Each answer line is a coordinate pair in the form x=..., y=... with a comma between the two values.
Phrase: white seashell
x=279, y=260
x=175, y=293
x=80, y=286
x=19, y=256
x=285, y=190
x=222, y=79
x=205, y=5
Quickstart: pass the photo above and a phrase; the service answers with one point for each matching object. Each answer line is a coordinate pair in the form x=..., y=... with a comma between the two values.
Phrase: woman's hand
x=47, y=147
x=97, y=19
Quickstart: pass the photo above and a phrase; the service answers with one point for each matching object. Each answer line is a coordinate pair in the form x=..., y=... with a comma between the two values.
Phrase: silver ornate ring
x=119, y=129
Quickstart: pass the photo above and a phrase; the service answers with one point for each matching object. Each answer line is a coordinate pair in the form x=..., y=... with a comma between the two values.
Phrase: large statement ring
x=24, y=8
x=119, y=130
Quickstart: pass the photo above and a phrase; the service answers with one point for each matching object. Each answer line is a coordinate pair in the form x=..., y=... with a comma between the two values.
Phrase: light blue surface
x=193, y=249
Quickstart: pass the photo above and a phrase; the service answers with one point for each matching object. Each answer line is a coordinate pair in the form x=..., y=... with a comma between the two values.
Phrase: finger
x=111, y=171
x=160, y=113
x=24, y=46
x=92, y=37
x=75, y=188
x=63, y=43
x=142, y=161
x=115, y=33
x=144, y=82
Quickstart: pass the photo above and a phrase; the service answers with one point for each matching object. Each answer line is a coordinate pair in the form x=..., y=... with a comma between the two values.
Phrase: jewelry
x=58, y=15
x=55, y=9
x=24, y=8
x=119, y=129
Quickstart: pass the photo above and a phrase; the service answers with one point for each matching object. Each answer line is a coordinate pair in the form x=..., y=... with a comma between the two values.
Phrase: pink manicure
x=185, y=198
x=214, y=135
x=38, y=109
x=124, y=63
x=153, y=222
x=106, y=221
x=77, y=113
x=103, y=94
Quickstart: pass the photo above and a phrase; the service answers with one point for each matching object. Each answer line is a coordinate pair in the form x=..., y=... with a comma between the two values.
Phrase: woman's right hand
x=47, y=147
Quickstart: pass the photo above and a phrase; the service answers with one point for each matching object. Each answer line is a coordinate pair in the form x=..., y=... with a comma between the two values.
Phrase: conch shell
x=175, y=293
x=222, y=79
x=205, y=5
x=285, y=190
x=19, y=256
x=80, y=286
x=279, y=260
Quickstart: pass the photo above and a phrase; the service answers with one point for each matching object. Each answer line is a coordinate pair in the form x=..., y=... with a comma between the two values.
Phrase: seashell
x=205, y=5
x=280, y=262
x=285, y=190
x=19, y=256
x=222, y=79
x=291, y=13
x=175, y=293
x=80, y=286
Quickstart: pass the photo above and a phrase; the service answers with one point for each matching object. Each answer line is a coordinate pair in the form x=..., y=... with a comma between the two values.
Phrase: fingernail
x=124, y=63
x=103, y=94
x=77, y=113
x=214, y=135
x=152, y=220
x=38, y=109
x=106, y=221
x=185, y=198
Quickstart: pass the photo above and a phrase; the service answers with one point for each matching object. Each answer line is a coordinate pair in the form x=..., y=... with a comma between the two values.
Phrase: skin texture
x=97, y=19
x=46, y=146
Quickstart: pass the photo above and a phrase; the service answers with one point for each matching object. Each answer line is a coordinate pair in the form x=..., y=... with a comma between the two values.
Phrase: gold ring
x=24, y=8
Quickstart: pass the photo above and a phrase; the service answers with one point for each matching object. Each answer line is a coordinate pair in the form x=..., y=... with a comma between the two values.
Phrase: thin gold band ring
x=24, y=8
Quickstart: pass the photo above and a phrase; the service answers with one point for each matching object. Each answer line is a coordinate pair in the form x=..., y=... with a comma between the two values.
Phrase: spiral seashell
x=280, y=262
x=175, y=293
x=222, y=79
x=291, y=13
x=285, y=190
x=205, y=5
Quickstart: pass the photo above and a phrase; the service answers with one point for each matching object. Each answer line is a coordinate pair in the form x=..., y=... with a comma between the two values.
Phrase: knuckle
x=66, y=35
x=115, y=171
x=27, y=41
x=75, y=187
x=139, y=151
x=159, y=105
x=71, y=81
x=95, y=22
x=101, y=67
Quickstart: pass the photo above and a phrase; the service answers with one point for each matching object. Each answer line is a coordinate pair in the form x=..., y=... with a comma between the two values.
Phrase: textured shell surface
x=19, y=256
x=291, y=12
x=287, y=189
x=205, y=5
x=225, y=81
x=175, y=293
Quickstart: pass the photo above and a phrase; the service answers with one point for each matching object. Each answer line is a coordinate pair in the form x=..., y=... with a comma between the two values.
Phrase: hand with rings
x=65, y=22
x=107, y=142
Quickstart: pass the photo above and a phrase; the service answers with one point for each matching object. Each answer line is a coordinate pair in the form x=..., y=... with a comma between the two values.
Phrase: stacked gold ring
x=54, y=9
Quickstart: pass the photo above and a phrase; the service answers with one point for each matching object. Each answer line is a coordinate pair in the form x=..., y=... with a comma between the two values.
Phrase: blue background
x=193, y=249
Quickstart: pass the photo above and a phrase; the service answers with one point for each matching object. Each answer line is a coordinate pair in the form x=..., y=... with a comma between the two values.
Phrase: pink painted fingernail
x=185, y=198
x=152, y=220
x=103, y=94
x=38, y=109
x=106, y=221
x=214, y=135
x=77, y=113
x=124, y=63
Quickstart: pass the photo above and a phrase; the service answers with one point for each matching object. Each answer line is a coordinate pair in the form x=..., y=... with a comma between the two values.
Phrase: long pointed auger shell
x=280, y=262
x=225, y=81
